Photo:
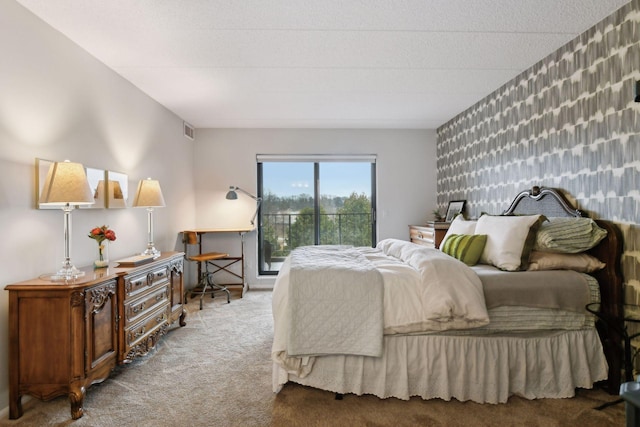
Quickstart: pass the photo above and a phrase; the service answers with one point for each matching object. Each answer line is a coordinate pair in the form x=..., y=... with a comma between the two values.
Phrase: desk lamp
x=149, y=195
x=232, y=195
x=66, y=185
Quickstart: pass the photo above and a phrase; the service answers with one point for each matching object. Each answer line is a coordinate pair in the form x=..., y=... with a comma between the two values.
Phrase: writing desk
x=223, y=264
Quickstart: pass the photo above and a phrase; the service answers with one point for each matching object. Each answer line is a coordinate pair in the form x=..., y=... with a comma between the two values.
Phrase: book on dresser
x=134, y=260
x=430, y=234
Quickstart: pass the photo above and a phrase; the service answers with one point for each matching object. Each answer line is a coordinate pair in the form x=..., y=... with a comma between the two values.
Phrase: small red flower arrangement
x=100, y=234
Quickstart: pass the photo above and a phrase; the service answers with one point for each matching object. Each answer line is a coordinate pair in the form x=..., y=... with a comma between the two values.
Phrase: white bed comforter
x=424, y=290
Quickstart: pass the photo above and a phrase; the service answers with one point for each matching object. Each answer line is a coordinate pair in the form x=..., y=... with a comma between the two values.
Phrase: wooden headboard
x=540, y=200
x=552, y=203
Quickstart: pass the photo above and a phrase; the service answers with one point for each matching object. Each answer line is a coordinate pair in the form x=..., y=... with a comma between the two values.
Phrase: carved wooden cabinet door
x=101, y=315
x=177, y=293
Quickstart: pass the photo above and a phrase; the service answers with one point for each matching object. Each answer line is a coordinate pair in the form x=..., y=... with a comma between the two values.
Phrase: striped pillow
x=465, y=247
x=568, y=235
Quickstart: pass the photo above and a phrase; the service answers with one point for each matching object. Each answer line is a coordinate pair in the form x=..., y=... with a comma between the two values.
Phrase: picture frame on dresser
x=455, y=207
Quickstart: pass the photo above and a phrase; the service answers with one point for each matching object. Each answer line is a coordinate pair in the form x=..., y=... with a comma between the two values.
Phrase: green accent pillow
x=465, y=247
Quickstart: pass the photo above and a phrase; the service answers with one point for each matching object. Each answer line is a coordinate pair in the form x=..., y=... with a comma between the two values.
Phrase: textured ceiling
x=320, y=63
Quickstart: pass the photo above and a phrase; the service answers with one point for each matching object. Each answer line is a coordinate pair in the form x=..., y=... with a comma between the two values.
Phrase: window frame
x=316, y=160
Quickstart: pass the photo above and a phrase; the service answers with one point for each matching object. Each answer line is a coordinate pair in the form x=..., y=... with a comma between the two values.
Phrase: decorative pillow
x=509, y=240
x=465, y=247
x=568, y=235
x=459, y=225
x=554, y=261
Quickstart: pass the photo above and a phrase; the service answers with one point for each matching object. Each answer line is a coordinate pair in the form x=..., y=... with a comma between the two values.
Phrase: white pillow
x=459, y=225
x=509, y=240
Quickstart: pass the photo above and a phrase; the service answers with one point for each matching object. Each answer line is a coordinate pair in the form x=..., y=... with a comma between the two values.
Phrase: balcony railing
x=286, y=231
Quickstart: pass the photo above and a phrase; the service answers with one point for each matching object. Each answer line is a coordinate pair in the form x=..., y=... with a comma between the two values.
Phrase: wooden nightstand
x=430, y=234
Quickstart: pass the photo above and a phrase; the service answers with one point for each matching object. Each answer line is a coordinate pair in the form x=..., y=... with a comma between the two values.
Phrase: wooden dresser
x=430, y=234
x=65, y=337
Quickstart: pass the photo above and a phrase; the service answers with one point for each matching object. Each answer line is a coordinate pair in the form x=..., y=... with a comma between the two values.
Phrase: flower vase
x=102, y=258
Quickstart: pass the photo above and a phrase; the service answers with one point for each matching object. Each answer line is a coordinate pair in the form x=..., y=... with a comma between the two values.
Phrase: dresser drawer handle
x=138, y=308
x=162, y=318
x=420, y=236
x=141, y=332
x=159, y=297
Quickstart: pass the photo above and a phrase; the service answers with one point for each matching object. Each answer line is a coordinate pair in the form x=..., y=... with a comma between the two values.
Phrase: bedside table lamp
x=232, y=195
x=66, y=185
x=149, y=195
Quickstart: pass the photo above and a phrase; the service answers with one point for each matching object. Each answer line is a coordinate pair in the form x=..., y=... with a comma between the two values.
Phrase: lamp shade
x=149, y=194
x=66, y=182
x=231, y=194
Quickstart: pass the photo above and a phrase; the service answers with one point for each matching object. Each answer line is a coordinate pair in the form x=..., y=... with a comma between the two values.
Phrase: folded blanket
x=558, y=289
x=336, y=303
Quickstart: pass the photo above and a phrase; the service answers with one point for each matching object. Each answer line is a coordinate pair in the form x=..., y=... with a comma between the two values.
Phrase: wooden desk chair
x=206, y=284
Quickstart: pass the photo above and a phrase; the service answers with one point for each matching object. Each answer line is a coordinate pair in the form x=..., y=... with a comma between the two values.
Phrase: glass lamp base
x=151, y=251
x=66, y=274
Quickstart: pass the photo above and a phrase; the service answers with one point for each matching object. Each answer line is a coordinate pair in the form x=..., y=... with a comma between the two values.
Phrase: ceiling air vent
x=189, y=131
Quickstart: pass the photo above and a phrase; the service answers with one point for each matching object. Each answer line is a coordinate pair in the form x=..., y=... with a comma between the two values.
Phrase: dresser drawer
x=140, y=282
x=136, y=308
x=429, y=235
x=147, y=327
x=422, y=236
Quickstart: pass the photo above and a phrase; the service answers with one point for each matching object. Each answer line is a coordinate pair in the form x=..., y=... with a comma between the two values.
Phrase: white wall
x=57, y=102
x=406, y=175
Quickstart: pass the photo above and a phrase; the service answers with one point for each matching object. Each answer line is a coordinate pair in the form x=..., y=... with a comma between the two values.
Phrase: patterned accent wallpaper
x=569, y=122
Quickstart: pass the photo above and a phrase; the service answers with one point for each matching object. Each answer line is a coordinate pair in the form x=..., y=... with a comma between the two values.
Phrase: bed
x=400, y=320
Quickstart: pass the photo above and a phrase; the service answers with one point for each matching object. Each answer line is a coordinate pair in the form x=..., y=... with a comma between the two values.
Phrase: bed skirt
x=483, y=369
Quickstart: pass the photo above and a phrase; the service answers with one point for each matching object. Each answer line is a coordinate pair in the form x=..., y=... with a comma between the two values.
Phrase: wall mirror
x=42, y=167
x=117, y=189
x=96, y=178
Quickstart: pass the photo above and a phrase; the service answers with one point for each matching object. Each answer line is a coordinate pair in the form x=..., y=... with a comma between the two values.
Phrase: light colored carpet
x=216, y=371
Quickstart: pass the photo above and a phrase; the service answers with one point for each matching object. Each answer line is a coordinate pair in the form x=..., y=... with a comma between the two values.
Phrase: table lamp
x=66, y=185
x=149, y=195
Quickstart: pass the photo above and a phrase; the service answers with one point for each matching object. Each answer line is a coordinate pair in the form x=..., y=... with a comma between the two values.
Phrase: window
x=313, y=200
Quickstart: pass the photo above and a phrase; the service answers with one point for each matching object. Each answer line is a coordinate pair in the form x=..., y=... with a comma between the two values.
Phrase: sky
x=336, y=178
